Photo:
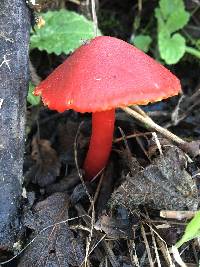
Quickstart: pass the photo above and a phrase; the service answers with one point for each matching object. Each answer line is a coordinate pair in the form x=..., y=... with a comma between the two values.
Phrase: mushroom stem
x=100, y=142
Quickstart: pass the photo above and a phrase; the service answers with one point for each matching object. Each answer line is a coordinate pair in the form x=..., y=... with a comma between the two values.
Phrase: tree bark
x=14, y=76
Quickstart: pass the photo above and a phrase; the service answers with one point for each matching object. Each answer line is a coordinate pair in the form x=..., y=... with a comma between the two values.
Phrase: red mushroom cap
x=104, y=74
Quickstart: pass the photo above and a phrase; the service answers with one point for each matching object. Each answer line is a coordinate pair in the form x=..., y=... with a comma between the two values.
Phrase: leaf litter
x=54, y=243
x=117, y=227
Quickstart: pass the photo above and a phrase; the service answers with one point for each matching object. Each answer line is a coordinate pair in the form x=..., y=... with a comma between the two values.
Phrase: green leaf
x=171, y=48
x=142, y=42
x=33, y=100
x=63, y=32
x=167, y=7
x=171, y=15
x=192, y=230
x=161, y=22
x=177, y=20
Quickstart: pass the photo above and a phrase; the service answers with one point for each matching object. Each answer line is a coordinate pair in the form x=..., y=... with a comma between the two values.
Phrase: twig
x=77, y=166
x=165, y=252
x=119, y=139
x=105, y=245
x=97, y=192
x=155, y=247
x=77, y=2
x=147, y=246
x=94, y=17
x=153, y=240
x=133, y=253
x=178, y=215
x=150, y=123
x=155, y=137
x=188, y=104
x=111, y=254
x=139, y=110
x=165, y=249
x=177, y=256
x=97, y=243
x=90, y=199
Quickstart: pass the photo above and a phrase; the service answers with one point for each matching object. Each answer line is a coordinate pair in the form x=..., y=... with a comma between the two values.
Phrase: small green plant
x=192, y=230
x=143, y=42
x=63, y=32
x=33, y=100
x=171, y=18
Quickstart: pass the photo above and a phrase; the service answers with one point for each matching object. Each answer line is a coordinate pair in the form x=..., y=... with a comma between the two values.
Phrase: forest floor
x=138, y=207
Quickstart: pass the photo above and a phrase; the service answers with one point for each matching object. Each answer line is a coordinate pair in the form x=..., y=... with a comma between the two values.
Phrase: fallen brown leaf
x=47, y=162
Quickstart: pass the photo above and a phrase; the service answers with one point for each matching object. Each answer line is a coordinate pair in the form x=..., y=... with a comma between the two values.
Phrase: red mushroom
x=99, y=76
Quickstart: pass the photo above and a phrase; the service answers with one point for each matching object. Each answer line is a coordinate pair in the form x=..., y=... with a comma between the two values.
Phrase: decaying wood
x=14, y=39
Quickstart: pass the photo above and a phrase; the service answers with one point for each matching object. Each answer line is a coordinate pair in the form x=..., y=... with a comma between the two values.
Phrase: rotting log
x=14, y=75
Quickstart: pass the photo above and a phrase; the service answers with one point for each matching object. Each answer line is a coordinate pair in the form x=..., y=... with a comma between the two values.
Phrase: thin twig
x=77, y=166
x=88, y=194
x=165, y=250
x=154, y=242
x=119, y=139
x=147, y=246
x=155, y=248
x=94, y=17
x=97, y=192
x=139, y=110
x=111, y=254
x=104, y=243
x=178, y=215
x=150, y=123
x=133, y=253
x=177, y=256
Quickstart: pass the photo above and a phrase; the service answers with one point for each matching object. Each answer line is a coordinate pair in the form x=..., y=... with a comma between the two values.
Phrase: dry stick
x=97, y=192
x=77, y=166
x=105, y=245
x=166, y=252
x=133, y=253
x=154, y=240
x=94, y=17
x=77, y=2
x=177, y=256
x=155, y=248
x=139, y=110
x=88, y=194
x=119, y=139
x=147, y=246
x=148, y=121
x=111, y=254
x=190, y=102
x=178, y=215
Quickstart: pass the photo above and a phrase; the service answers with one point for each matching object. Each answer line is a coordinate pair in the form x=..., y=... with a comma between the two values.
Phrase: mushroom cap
x=106, y=73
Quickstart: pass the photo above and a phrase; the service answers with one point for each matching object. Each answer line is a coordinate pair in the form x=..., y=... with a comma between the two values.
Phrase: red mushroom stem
x=100, y=142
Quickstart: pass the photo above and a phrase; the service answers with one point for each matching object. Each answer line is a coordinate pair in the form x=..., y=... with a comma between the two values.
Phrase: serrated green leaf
x=63, y=32
x=177, y=20
x=192, y=230
x=167, y=7
x=142, y=42
x=171, y=48
x=33, y=100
